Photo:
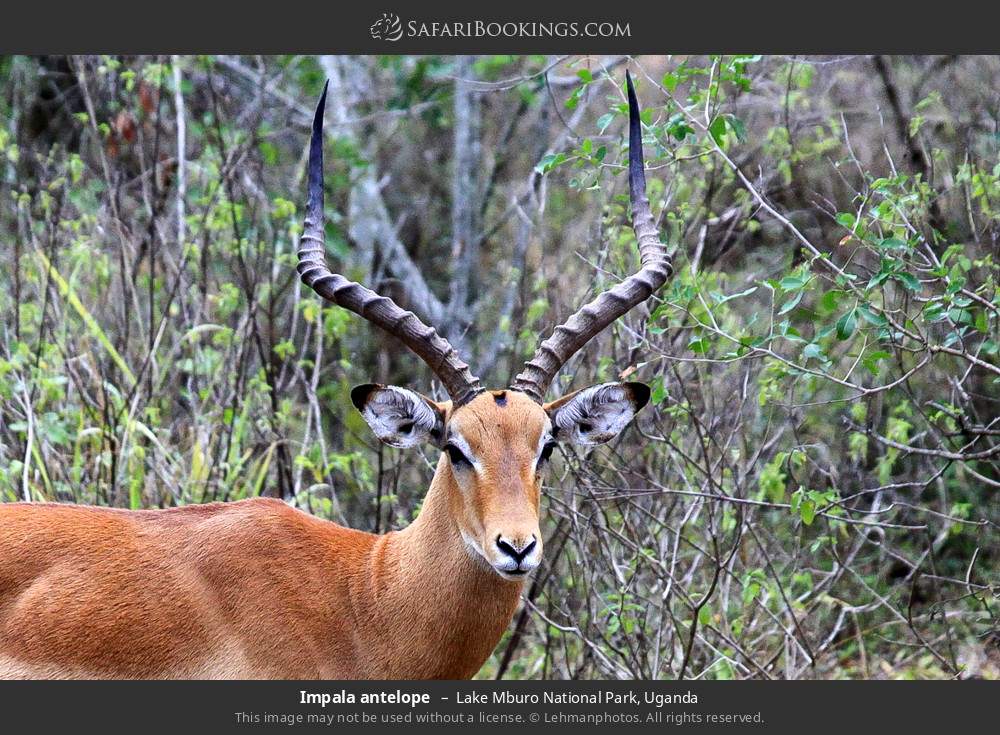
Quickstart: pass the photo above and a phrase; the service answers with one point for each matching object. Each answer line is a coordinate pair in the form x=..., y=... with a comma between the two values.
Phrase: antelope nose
x=516, y=549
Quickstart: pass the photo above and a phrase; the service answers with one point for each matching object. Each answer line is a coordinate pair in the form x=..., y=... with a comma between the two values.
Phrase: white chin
x=511, y=576
x=477, y=553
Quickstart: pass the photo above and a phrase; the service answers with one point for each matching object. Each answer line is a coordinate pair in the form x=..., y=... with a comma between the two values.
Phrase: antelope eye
x=546, y=452
x=458, y=459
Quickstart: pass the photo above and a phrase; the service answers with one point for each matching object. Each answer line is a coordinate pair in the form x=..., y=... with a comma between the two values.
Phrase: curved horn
x=586, y=323
x=381, y=311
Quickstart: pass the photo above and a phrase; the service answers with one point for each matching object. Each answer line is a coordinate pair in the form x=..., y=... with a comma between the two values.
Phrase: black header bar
x=513, y=26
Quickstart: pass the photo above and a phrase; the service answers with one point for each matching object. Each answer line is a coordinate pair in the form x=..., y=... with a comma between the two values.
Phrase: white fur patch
x=456, y=438
x=595, y=415
x=399, y=417
x=544, y=438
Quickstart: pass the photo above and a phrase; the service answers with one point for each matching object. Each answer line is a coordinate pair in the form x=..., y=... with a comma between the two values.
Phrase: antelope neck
x=438, y=600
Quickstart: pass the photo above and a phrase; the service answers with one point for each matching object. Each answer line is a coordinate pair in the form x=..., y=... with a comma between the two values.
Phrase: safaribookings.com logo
x=387, y=28
x=390, y=28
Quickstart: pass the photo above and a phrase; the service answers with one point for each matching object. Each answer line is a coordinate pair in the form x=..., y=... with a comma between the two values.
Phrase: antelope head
x=495, y=444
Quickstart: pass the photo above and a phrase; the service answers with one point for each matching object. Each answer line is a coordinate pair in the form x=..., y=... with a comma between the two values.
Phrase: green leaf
x=786, y=330
x=846, y=219
x=718, y=129
x=659, y=392
x=704, y=615
x=960, y=316
x=871, y=317
x=892, y=243
x=677, y=126
x=982, y=322
x=549, y=162
x=793, y=283
x=738, y=128
x=791, y=303
x=908, y=280
x=830, y=300
x=846, y=325
x=698, y=345
x=935, y=311
x=732, y=296
x=807, y=511
x=878, y=279
x=871, y=361
x=813, y=350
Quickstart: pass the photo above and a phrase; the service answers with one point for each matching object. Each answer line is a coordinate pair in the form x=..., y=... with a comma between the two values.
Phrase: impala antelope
x=259, y=589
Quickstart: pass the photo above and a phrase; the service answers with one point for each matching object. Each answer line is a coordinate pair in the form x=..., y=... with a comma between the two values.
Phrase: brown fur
x=257, y=589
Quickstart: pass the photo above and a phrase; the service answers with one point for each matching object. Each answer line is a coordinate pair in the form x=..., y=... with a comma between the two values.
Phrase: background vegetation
x=814, y=491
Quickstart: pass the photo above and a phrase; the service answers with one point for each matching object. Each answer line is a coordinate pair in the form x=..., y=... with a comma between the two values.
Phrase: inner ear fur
x=638, y=392
x=401, y=417
x=569, y=427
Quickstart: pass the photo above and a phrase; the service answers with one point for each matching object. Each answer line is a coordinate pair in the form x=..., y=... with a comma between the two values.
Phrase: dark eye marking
x=406, y=428
x=458, y=459
x=586, y=427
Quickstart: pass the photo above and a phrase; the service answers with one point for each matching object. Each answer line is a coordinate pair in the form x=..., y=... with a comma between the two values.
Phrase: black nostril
x=508, y=548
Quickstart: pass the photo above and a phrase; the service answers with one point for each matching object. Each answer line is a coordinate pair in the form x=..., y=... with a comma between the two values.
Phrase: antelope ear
x=399, y=417
x=596, y=414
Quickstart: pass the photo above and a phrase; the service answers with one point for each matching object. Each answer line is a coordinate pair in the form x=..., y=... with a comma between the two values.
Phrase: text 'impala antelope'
x=259, y=589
